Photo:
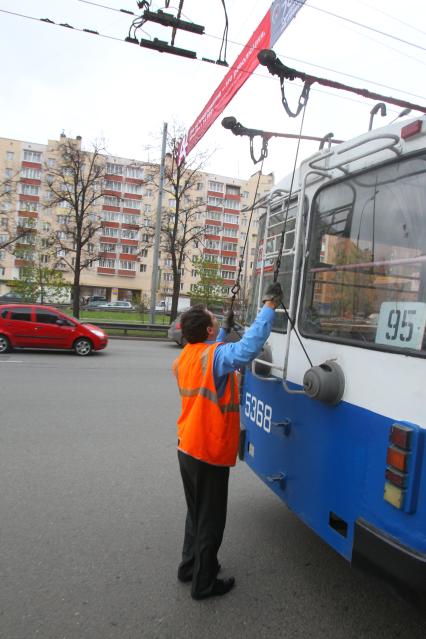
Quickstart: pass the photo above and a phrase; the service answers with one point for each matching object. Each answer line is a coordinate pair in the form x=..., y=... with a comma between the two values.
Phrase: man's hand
x=229, y=322
x=274, y=293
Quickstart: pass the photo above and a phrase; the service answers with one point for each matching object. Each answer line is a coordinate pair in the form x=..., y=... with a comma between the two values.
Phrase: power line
x=103, y=6
x=47, y=21
x=389, y=15
x=363, y=26
x=334, y=15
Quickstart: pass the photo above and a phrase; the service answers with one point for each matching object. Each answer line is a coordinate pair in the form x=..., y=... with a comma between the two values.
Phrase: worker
x=208, y=432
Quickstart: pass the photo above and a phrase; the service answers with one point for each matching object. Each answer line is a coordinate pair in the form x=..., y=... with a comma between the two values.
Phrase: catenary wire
x=360, y=24
x=385, y=86
x=263, y=76
x=389, y=15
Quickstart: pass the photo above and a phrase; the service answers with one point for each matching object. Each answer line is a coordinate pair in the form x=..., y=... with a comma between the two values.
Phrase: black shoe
x=187, y=578
x=221, y=587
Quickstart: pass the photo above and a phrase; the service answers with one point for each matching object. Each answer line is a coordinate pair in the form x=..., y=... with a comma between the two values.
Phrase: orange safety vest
x=208, y=427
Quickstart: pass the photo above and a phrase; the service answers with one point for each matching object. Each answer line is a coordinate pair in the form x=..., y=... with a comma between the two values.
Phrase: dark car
x=37, y=326
x=10, y=297
x=175, y=331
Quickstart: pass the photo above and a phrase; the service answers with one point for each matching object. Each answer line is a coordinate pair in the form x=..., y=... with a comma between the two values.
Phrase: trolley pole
x=154, y=276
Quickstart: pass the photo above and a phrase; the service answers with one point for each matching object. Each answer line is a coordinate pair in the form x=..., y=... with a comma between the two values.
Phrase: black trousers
x=206, y=494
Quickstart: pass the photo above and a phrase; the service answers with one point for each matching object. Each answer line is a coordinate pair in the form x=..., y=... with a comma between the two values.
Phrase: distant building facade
x=122, y=248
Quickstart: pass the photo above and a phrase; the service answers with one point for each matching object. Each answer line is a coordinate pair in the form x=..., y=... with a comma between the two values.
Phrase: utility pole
x=154, y=275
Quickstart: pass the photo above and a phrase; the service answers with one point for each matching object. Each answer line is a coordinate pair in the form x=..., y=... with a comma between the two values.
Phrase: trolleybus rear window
x=366, y=271
x=281, y=221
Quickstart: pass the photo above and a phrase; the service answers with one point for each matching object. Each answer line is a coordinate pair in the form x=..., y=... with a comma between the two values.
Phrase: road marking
x=11, y=361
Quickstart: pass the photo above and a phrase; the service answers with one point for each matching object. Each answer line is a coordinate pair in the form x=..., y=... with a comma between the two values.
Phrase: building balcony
x=125, y=273
x=103, y=270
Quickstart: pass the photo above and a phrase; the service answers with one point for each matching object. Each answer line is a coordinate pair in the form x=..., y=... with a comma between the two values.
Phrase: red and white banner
x=278, y=16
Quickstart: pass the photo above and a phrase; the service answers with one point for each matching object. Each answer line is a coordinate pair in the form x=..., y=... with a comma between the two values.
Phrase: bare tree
x=181, y=229
x=9, y=226
x=76, y=183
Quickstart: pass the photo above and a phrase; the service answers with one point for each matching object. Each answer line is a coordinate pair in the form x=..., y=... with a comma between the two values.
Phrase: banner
x=277, y=18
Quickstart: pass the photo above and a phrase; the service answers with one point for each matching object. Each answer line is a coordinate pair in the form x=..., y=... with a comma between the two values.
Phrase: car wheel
x=83, y=346
x=4, y=344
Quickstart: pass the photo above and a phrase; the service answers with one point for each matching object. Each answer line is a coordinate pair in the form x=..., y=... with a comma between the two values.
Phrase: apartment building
x=122, y=247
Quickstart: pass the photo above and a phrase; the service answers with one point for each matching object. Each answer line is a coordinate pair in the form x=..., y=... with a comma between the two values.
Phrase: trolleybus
x=333, y=411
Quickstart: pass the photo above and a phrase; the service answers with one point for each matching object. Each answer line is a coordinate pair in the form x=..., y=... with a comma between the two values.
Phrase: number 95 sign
x=401, y=324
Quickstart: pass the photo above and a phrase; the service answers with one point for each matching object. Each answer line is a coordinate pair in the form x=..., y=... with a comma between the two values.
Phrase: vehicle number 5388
x=258, y=412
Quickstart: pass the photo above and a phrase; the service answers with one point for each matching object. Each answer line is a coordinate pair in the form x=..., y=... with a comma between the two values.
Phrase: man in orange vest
x=208, y=432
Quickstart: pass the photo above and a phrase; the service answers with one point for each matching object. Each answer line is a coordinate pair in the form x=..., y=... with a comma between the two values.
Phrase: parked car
x=11, y=297
x=175, y=331
x=95, y=305
x=119, y=305
x=36, y=326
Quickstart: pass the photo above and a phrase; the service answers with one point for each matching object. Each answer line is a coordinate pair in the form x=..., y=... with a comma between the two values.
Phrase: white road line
x=11, y=361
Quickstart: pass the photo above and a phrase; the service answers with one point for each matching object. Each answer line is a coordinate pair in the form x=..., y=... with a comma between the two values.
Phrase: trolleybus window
x=366, y=271
x=279, y=219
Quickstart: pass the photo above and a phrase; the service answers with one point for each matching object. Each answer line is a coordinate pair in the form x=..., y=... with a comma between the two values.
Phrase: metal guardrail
x=128, y=326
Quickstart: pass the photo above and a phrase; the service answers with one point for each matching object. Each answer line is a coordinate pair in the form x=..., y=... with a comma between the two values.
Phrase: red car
x=35, y=326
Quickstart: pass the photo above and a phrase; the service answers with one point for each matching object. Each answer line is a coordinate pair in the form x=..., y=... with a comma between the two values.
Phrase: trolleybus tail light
x=397, y=458
x=403, y=466
x=411, y=129
x=400, y=436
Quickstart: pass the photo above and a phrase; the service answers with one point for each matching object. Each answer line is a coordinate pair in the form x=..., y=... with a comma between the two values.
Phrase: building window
x=142, y=268
x=32, y=156
x=228, y=275
x=129, y=234
x=109, y=232
x=135, y=172
x=33, y=174
x=131, y=219
x=214, y=201
x=148, y=193
x=147, y=208
x=232, y=204
x=144, y=253
x=51, y=162
x=168, y=277
x=232, y=190
x=216, y=186
x=110, y=200
x=107, y=263
x=9, y=156
x=228, y=246
x=8, y=173
x=133, y=188
x=132, y=204
x=111, y=185
x=245, y=195
x=232, y=219
x=29, y=189
x=199, y=186
x=131, y=250
x=114, y=169
x=172, y=203
x=127, y=265
x=230, y=232
x=212, y=244
x=107, y=248
x=2, y=270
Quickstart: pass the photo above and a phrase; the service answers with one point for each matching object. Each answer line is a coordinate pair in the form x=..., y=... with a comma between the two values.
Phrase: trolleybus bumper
x=388, y=556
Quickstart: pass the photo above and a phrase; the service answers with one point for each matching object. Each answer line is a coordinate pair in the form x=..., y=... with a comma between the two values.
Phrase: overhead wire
x=389, y=15
x=360, y=24
x=263, y=76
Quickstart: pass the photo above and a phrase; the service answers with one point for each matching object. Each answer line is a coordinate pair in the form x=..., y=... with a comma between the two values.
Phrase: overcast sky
x=56, y=79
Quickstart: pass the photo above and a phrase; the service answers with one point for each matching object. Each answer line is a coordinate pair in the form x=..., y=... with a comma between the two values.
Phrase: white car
x=119, y=305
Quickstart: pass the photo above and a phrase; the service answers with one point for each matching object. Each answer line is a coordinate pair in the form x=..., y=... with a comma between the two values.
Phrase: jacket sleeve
x=229, y=357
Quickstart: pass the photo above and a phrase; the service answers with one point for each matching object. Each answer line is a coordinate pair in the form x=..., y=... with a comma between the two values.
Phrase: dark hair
x=194, y=323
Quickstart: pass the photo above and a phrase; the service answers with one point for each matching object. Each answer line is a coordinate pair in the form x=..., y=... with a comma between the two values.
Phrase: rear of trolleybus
x=340, y=438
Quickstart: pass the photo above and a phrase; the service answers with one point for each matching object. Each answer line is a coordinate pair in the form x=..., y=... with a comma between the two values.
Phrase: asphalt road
x=92, y=515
